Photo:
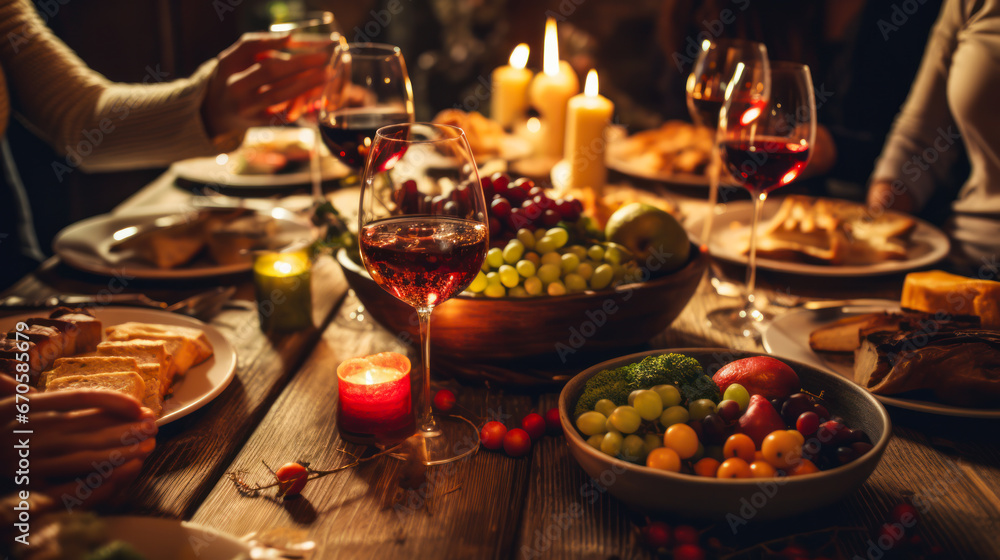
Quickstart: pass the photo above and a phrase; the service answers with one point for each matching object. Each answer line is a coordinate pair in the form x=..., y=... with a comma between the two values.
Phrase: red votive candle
x=375, y=405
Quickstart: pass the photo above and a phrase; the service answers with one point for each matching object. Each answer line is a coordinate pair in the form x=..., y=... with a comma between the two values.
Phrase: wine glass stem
x=425, y=419
x=314, y=171
x=758, y=208
x=714, y=170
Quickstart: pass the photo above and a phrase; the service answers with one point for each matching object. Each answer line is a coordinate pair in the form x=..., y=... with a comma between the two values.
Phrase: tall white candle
x=588, y=116
x=509, y=98
x=550, y=92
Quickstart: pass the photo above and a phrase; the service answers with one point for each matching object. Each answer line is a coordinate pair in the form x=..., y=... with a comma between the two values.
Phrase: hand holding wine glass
x=423, y=234
x=766, y=145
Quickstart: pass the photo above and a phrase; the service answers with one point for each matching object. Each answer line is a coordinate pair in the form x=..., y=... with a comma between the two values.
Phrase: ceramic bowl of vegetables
x=723, y=434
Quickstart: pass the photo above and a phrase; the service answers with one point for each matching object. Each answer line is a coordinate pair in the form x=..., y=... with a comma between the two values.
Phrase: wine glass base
x=744, y=321
x=452, y=439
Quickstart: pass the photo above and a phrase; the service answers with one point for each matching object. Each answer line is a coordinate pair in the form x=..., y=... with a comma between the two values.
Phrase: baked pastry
x=484, y=135
x=674, y=147
x=128, y=383
x=89, y=332
x=188, y=346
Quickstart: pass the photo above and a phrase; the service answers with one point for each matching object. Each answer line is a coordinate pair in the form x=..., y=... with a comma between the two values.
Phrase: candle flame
x=534, y=125
x=590, y=87
x=550, y=55
x=519, y=57
x=283, y=267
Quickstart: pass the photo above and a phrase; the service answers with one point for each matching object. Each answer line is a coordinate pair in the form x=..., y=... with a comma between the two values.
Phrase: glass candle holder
x=374, y=399
x=284, y=294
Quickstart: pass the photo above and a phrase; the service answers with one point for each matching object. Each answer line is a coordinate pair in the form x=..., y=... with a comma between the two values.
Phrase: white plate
x=87, y=245
x=190, y=392
x=928, y=245
x=616, y=161
x=219, y=170
x=788, y=337
x=170, y=539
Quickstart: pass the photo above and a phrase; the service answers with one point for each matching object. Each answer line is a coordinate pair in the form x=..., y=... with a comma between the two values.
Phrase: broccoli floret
x=606, y=384
x=674, y=369
x=701, y=388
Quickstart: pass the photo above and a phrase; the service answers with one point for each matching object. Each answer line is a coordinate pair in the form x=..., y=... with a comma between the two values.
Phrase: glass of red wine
x=765, y=145
x=367, y=88
x=423, y=233
x=706, y=89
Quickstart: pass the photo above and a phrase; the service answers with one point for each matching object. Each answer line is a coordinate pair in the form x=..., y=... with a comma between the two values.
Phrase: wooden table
x=281, y=406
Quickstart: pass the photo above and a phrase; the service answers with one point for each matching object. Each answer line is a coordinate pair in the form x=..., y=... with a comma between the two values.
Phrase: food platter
x=617, y=161
x=199, y=386
x=928, y=245
x=170, y=539
x=788, y=337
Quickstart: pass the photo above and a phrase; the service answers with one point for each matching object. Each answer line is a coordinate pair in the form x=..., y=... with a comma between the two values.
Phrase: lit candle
x=509, y=99
x=284, y=294
x=374, y=399
x=550, y=92
x=587, y=119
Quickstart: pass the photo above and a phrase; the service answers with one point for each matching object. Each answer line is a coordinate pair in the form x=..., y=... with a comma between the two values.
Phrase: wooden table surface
x=281, y=407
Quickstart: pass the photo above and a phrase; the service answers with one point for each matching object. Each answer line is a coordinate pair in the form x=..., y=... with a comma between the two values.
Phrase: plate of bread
x=802, y=234
x=187, y=243
x=676, y=152
x=936, y=350
x=171, y=363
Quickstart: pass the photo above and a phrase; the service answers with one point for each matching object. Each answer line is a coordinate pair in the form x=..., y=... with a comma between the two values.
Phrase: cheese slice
x=936, y=291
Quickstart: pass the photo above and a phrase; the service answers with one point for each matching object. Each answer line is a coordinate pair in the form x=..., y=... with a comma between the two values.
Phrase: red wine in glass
x=423, y=260
x=765, y=163
x=348, y=134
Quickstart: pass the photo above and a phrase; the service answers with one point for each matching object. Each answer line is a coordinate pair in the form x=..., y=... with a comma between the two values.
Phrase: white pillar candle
x=550, y=92
x=509, y=98
x=587, y=119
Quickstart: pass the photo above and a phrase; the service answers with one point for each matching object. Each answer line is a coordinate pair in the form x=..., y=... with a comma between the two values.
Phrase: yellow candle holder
x=284, y=294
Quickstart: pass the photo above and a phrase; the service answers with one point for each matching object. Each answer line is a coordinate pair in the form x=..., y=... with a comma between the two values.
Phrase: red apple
x=760, y=419
x=760, y=375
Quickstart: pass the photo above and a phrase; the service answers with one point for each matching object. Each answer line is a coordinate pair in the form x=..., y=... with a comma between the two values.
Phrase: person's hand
x=253, y=76
x=884, y=195
x=84, y=447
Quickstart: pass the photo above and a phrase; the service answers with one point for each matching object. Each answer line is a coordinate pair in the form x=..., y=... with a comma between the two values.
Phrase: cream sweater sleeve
x=97, y=124
x=909, y=154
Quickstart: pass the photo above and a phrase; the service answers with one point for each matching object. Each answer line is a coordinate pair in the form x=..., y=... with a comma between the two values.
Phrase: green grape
x=701, y=408
x=648, y=404
x=592, y=423
x=613, y=255
x=612, y=444
x=611, y=427
x=485, y=267
x=699, y=453
x=533, y=258
x=545, y=245
x=494, y=257
x=525, y=268
x=651, y=442
x=631, y=396
x=602, y=277
x=633, y=449
x=513, y=251
x=533, y=286
x=596, y=253
x=579, y=250
x=585, y=270
x=738, y=393
x=626, y=419
x=674, y=415
x=492, y=278
x=605, y=406
x=479, y=284
x=569, y=262
x=618, y=272
x=575, y=283
x=556, y=288
x=495, y=291
x=526, y=237
x=548, y=273
x=518, y=291
x=595, y=441
x=716, y=452
x=552, y=258
x=668, y=394
x=539, y=233
x=558, y=235
x=508, y=276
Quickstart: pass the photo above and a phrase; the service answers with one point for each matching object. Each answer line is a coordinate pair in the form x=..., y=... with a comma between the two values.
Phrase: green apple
x=652, y=235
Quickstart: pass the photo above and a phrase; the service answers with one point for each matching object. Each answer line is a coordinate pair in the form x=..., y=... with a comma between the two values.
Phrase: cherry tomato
x=689, y=552
x=444, y=400
x=734, y=468
x=682, y=439
x=292, y=478
x=492, y=434
x=534, y=424
x=517, y=442
x=706, y=466
x=664, y=459
x=656, y=535
x=782, y=449
x=762, y=469
x=804, y=466
x=739, y=445
x=552, y=422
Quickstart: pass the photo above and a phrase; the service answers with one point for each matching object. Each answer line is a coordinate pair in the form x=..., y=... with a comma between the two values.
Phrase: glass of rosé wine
x=423, y=234
x=765, y=145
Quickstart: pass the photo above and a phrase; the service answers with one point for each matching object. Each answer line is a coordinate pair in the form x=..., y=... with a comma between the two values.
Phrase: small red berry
x=492, y=435
x=905, y=514
x=292, y=478
x=689, y=552
x=552, y=422
x=685, y=534
x=534, y=424
x=656, y=535
x=517, y=442
x=444, y=400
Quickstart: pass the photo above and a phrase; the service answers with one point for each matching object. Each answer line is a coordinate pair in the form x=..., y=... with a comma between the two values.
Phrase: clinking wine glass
x=423, y=234
x=367, y=88
x=765, y=145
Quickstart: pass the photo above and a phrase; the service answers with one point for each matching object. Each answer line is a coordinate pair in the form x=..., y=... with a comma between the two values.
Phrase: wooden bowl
x=734, y=501
x=477, y=329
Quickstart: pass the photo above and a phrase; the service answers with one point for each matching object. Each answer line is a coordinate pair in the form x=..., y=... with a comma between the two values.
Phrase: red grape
x=494, y=227
x=807, y=423
x=656, y=535
x=500, y=208
x=500, y=182
x=552, y=421
x=822, y=412
x=729, y=411
x=550, y=218
x=410, y=186
x=685, y=534
x=492, y=435
x=568, y=210
x=444, y=400
x=689, y=552
x=531, y=210
x=516, y=195
x=517, y=442
x=534, y=424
